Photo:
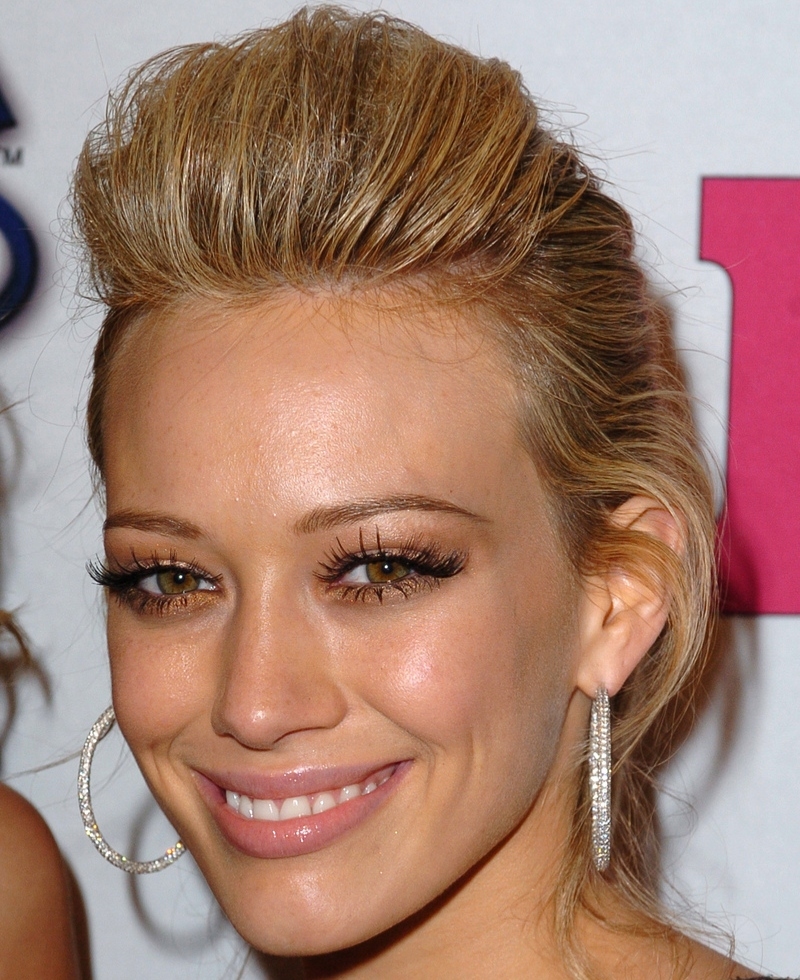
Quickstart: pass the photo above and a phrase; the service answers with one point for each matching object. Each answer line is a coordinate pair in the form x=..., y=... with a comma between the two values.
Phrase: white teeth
x=295, y=806
x=349, y=793
x=323, y=802
x=301, y=806
x=265, y=810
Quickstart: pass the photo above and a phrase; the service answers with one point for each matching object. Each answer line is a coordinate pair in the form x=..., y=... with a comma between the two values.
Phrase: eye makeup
x=154, y=585
x=374, y=574
x=371, y=574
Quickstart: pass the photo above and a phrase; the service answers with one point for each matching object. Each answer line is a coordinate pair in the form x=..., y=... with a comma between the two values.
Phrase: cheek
x=158, y=682
x=476, y=674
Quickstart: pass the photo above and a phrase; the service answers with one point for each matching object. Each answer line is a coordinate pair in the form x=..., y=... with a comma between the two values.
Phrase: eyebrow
x=324, y=518
x=318, y=519
x=156, y=523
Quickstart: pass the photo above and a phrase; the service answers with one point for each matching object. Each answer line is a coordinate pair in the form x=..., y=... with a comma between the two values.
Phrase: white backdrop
x=664, y=93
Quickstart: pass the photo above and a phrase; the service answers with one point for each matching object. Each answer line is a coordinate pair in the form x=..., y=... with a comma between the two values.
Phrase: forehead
x=318, y=394
x=289, y=330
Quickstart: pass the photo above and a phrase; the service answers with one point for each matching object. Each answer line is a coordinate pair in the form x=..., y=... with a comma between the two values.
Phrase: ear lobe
x=623, y=611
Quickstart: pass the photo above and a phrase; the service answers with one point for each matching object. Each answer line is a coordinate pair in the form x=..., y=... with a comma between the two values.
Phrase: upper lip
x=303, y=781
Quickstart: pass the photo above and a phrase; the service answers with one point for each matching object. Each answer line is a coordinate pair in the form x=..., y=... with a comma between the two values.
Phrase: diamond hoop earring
x=600, y=778
x=99, y=730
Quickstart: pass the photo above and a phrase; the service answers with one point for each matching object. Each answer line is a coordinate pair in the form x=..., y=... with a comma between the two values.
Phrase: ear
x=621, y=613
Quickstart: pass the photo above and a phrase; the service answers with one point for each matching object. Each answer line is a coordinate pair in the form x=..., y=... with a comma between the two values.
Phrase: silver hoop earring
x=600, y=778
x=99, y=730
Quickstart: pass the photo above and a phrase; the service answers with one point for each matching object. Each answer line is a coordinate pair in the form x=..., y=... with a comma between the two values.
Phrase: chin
x=303, y=933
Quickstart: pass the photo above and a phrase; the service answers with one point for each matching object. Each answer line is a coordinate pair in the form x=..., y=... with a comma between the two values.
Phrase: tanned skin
x=37, y=931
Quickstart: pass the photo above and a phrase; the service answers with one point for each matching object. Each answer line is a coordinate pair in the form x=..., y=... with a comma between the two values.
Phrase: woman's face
x=342, y=628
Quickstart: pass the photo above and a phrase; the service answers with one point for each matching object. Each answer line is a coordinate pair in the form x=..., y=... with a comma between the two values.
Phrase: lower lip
x=300, y=835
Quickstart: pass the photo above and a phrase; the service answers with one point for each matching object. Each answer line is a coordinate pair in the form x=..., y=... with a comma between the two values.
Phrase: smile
x=293, y=807
x=271, y=817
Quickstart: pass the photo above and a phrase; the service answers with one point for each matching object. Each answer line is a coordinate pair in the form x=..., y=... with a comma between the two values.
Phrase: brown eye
x=175, y=581
x=385, y=571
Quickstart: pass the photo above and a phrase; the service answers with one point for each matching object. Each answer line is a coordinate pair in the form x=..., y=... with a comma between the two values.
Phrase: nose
x=277, y=677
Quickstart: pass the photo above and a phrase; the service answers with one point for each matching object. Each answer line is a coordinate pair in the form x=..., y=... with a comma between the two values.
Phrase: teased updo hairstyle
x=342, y=151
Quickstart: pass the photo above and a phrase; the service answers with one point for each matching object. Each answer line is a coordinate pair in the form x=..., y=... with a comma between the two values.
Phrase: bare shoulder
x=707, y=964
x=30, y=863
x=36, y=932
x=639, y=947
x=692, y=960
x=710, y=965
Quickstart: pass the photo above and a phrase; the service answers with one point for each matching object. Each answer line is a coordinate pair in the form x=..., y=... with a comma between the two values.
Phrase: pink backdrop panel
x=751, y=227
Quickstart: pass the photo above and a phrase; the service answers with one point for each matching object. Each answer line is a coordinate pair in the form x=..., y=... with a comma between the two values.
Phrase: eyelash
x=427, y=566
x=124, y=583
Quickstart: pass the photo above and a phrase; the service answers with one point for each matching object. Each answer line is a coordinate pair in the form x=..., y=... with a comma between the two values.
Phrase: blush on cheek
x=444, y=683
x=151, y=687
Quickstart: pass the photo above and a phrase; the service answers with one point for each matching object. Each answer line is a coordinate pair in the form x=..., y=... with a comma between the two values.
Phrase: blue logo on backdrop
x=6, y=119
x=19, y=281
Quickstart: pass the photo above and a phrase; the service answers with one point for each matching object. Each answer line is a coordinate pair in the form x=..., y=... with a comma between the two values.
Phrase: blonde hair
x=346, y=150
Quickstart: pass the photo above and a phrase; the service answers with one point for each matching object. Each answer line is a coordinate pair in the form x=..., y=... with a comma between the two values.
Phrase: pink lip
x=301, y=835
x=296, y=782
